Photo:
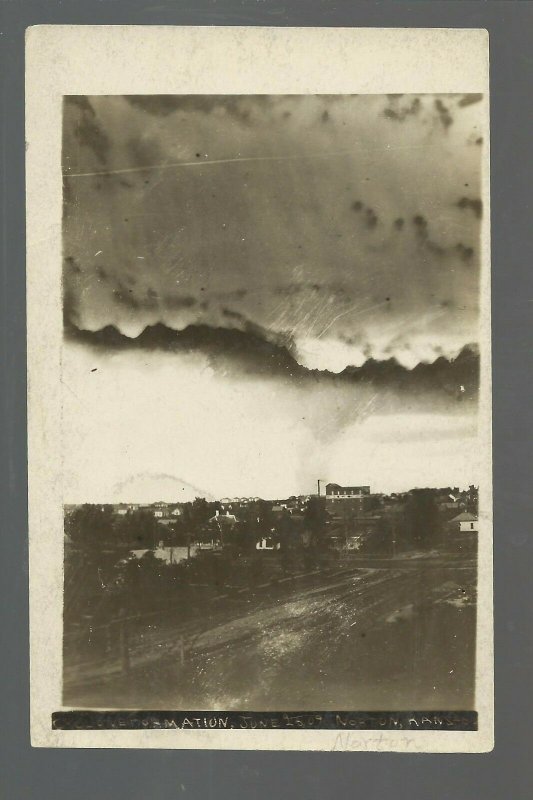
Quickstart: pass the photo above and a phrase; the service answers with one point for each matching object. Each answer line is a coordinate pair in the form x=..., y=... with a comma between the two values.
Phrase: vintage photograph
x=270, y=378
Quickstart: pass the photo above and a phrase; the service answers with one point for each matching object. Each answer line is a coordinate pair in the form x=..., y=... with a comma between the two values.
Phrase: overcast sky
x=344, y=230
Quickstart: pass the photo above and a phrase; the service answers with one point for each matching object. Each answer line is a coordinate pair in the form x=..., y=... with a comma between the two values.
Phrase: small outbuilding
x=465, y=522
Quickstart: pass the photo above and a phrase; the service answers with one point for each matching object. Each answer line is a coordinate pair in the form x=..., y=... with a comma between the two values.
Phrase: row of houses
x=228, y=502
x=165, y=513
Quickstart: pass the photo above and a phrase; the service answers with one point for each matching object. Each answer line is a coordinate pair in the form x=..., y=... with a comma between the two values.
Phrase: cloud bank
x=348, y=224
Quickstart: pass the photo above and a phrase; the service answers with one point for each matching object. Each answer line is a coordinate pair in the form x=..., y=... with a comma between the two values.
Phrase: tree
x=265, y=517
x=89, y=563
x=316, y=518
x=139, y=529
x=90, y=525
x=472, y=500
x=198, y=513
x=422, y=523
x=242, y=538
x=177, y=534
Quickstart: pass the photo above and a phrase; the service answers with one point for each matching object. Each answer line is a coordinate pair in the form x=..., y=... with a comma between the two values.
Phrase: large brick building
x=336, y=492
x=347, y=501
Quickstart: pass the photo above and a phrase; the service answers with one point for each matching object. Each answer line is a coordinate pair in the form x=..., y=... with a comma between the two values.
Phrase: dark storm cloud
x=125, y=297
x=444, y=113
x=330, y=288
x=81, y=102
x=291, y=289
x=143, y=152
x=472, y=203
x=72, y=266
x=469, y=99
x=237, y=294
x=149, y=299
x=465, y=252
x=369, y=217
x=199, y=219
x=252, y=353
x=421, y=228
x=228, y=312
x=402, y=110
x=421, y=225
x=178, y=302
x=400, y=113
x=70, y=308
x=87, y=129
x=71, y=290
x=249, y=350
x=163, y=105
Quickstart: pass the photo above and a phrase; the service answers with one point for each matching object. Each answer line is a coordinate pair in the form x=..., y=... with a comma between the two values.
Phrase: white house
x=267, y=543
x=223, y=519
x=124, y=508
x=465, y=522
x=169, y=555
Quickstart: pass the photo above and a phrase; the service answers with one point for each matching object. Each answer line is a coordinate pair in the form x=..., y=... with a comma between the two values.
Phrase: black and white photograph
x=270, y=376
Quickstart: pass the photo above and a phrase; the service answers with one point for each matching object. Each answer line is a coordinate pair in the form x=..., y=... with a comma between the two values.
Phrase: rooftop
x=465, y=516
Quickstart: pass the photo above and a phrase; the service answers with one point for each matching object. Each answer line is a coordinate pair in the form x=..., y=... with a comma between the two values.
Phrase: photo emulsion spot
x=270, y=373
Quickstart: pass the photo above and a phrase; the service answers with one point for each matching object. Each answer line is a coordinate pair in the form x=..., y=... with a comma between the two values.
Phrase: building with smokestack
x=347, y=501
x=336, y=492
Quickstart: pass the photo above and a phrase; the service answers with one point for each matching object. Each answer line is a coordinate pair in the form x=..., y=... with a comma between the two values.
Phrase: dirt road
x=383, y=635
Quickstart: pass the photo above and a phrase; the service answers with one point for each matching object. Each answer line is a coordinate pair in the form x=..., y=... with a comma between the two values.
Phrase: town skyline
x=170, y=499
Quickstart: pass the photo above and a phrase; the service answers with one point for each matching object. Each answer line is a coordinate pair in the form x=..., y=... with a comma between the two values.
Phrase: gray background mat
x=28, y=774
